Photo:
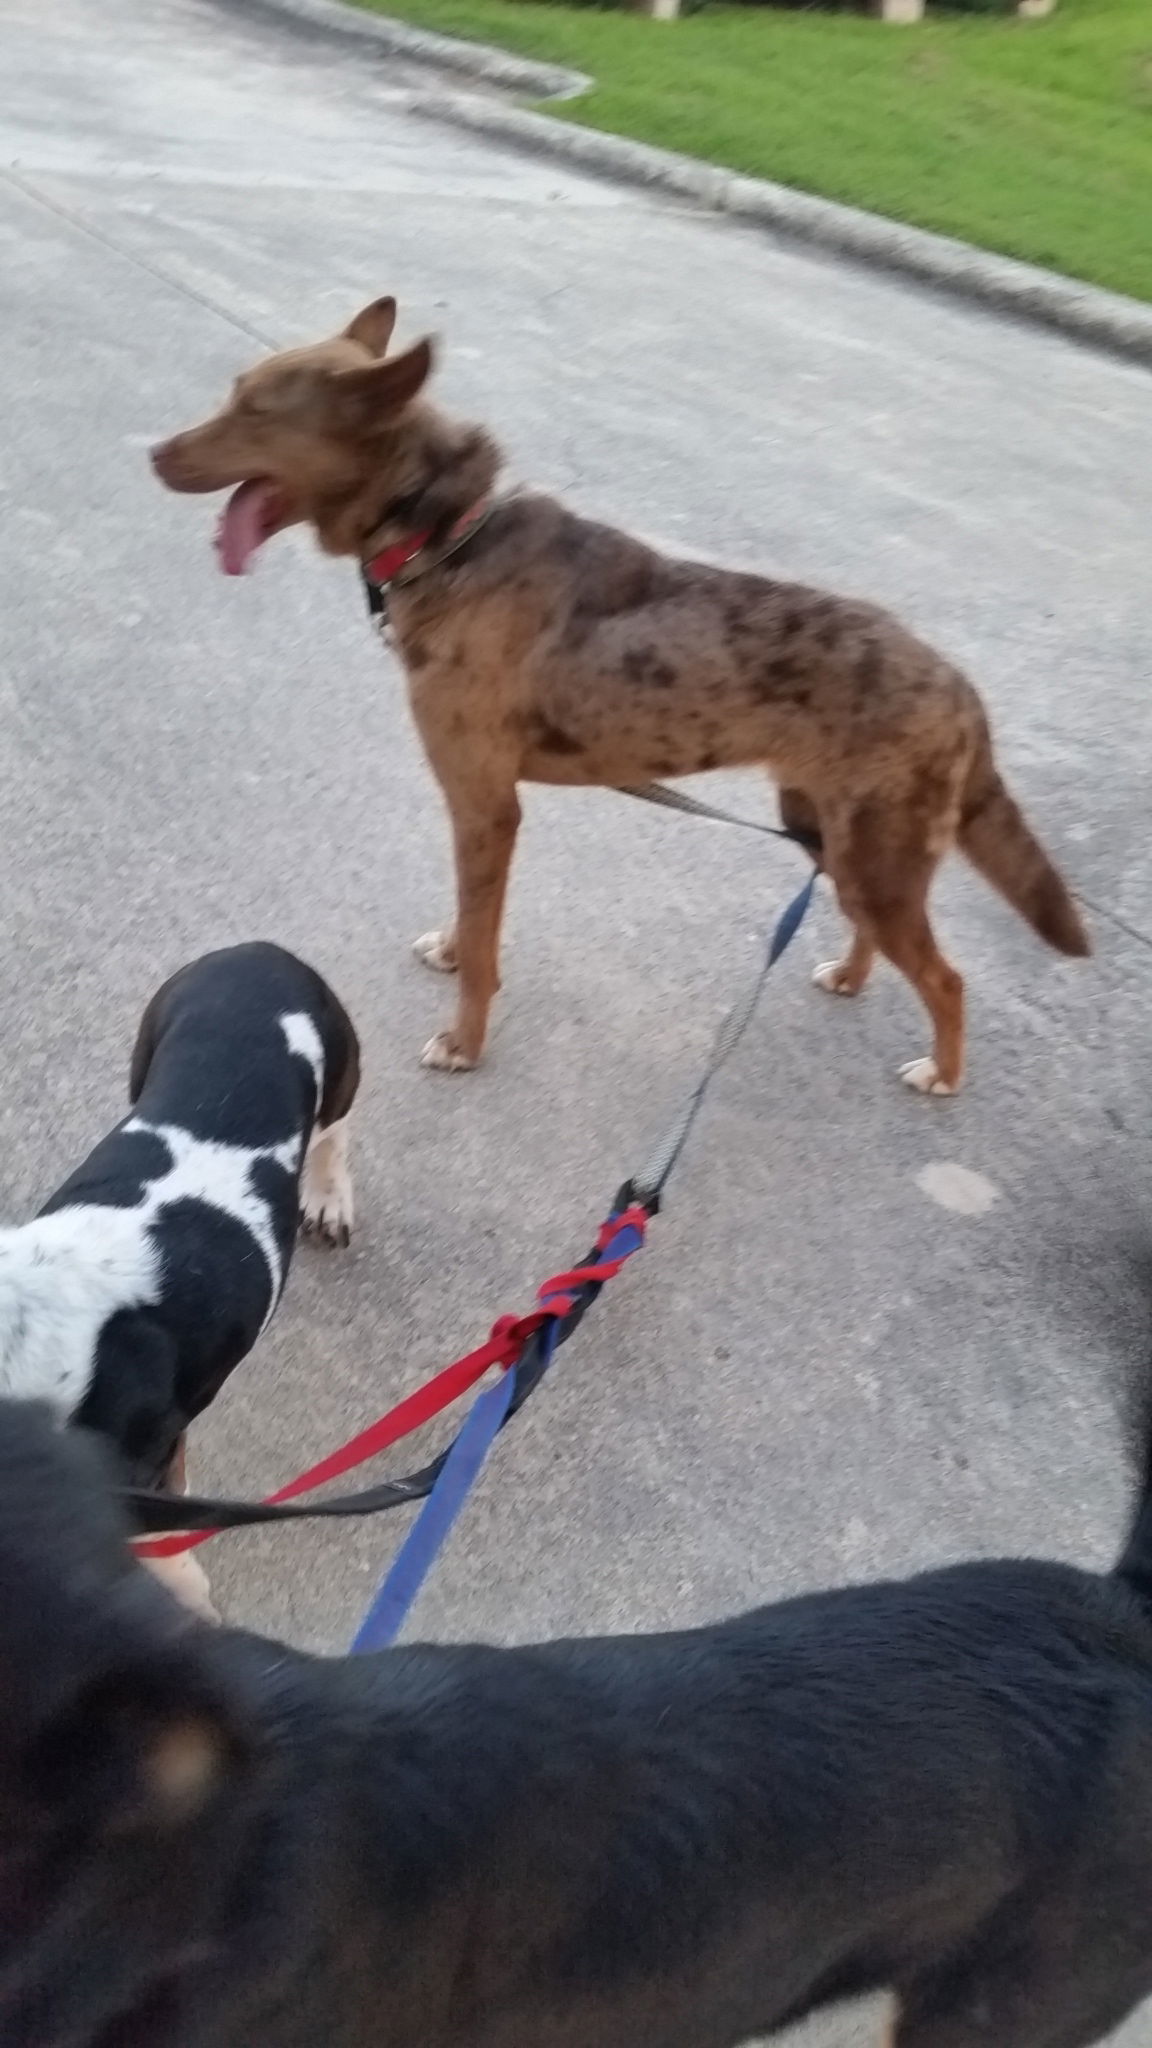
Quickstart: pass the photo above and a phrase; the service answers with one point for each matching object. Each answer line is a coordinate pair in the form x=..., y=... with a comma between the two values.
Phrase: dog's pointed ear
x=373, y=326
x=378, y=393
x=134, y=1751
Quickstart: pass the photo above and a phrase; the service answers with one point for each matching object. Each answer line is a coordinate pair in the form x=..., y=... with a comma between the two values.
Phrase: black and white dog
x=149, y=1275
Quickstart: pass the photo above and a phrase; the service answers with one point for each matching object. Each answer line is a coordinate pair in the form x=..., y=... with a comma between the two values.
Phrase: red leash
x=503, y=1348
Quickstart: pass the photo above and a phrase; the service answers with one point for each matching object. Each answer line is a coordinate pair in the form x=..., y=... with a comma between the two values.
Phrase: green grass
x=1033, y=138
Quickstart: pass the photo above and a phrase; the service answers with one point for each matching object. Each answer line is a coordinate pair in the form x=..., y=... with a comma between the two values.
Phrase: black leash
x=156, y=1514
x=163, y=1513
x=670, y=799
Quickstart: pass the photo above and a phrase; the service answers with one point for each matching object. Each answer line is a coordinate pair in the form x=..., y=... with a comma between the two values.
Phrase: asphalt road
x=822, y=1367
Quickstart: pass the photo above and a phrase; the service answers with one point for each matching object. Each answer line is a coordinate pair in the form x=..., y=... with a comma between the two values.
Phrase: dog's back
x=943, y=1786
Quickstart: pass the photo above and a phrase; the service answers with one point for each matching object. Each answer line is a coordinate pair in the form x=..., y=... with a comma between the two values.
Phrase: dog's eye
x=247, y=407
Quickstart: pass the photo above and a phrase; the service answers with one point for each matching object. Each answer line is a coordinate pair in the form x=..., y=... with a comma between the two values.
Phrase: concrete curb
x=380, y=34
x=1083, y=312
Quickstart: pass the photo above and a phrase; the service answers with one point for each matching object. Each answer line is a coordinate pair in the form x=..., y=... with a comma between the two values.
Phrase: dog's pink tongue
x=243, y=525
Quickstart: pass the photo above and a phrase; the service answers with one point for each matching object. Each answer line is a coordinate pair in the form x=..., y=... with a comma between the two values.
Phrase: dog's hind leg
x=187, y=1582
x=485, y=821
x=326, y=1207
x=798, y=814
x=880, y=860
x=183, y=1574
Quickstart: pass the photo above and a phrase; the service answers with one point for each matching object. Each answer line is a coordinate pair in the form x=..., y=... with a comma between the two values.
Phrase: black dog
x=150, y=1274
x=941, y=1785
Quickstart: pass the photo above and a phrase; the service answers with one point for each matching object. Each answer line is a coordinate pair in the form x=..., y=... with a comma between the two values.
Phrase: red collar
x=385, y=567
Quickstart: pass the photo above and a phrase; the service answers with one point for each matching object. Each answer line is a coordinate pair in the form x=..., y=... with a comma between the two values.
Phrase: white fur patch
x=286, y=1155
x=830, y=975
x=923, y=1075
x=62, y=1276
x=203, y=1170
x=301, y=1036
x=435, y=950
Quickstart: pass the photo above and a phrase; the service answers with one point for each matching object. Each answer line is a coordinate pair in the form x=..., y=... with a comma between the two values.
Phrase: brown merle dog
x=542, y=647
x=941, y=1785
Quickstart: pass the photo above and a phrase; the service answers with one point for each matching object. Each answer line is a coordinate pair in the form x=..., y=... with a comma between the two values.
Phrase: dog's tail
x=998, y=841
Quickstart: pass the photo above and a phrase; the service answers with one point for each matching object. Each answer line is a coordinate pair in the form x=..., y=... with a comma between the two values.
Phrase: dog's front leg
x=484, y=827
x=183, y=1574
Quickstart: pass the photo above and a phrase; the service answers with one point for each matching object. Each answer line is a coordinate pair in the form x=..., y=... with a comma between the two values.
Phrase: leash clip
x=376, y=598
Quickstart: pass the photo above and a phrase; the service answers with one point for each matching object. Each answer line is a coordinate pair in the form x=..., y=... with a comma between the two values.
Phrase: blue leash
x=488, y=1414
x=733, y=1024
x=433, y=1525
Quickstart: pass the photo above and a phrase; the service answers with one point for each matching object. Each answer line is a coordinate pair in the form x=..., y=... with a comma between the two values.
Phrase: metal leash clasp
x=376, y=598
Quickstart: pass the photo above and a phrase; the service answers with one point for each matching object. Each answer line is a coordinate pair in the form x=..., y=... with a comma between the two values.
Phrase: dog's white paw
x=924, y=1076
x=833, y=975
x=187, y=1581
x=436, y=950
x=444, y=1055
x=326, y=1207
x=327, y=1211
